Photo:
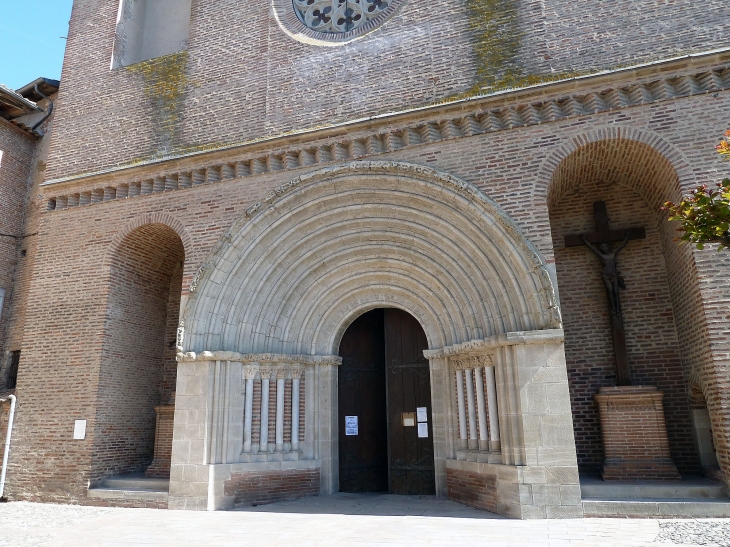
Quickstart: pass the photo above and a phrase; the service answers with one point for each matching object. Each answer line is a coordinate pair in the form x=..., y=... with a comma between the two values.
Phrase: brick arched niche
x=138, y=368
x=277, y=293
x=662, y=305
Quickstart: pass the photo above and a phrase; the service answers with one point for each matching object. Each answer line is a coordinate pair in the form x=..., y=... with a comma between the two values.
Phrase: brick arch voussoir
x=144, y=220
x=544, y=186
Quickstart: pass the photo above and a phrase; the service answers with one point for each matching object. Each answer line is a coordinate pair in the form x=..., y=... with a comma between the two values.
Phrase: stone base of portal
x=634, y=434
x=517, y=491
x=225, y=486
x=160, y=466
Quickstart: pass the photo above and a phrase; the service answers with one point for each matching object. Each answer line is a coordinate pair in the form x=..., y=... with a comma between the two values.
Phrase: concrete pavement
x=340, y=519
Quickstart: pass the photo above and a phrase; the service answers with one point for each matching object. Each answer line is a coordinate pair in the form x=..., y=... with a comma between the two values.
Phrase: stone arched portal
x=268, y=308
x=288, y=276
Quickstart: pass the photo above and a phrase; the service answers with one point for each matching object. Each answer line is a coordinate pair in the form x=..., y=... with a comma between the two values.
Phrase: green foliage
x=704, y=215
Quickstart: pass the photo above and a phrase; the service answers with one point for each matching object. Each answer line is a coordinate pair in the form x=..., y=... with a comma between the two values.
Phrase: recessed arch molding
x=304, y=260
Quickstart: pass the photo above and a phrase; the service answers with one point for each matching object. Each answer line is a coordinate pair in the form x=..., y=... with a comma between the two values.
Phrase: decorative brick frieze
x=486, y=118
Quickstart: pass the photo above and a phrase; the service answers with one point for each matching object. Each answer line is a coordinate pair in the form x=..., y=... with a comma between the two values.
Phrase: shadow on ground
x=374, y=504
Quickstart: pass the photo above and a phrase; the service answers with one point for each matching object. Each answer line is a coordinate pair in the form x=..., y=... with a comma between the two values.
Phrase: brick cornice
x=610, y=91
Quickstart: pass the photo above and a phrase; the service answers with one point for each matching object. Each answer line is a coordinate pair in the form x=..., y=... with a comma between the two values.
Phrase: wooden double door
x=383, y=381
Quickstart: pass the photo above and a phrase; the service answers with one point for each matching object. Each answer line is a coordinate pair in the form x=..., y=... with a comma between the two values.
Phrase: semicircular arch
x=668, y=169
x=149, y=218
x=302, y=262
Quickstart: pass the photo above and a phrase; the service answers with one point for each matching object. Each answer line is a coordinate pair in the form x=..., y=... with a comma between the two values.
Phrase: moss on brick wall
x=165, y=82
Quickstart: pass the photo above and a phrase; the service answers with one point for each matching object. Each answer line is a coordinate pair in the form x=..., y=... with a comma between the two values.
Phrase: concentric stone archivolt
x=318, y=251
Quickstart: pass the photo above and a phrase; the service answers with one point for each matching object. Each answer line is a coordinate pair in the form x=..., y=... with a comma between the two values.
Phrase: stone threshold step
x=689, y=487
x=657, y=508
x=134, y=481
x=127, y=494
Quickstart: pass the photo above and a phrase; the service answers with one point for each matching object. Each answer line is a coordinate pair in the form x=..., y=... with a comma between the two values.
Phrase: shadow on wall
x=661, y=303
x=138, y=368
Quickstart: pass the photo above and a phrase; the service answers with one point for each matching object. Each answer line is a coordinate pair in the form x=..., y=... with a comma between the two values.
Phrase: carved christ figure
x=611, y=276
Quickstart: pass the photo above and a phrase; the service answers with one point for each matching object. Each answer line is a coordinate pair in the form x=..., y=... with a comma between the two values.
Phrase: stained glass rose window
x=338, y=16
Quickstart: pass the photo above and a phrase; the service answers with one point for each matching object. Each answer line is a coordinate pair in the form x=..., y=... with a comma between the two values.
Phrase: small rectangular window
x=2, y=301
x=11, y=380
x=147, y=29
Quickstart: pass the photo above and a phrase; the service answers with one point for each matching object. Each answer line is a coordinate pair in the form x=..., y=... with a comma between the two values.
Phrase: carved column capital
x=297, y=371
x=267, y=371
x=466, y=362
x=250, y=371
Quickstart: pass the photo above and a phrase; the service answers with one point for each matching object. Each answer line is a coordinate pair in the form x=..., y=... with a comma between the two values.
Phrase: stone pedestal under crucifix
x=632, y=417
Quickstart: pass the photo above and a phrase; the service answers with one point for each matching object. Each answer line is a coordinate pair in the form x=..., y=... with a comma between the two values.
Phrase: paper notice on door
x=422, y=414
x=422, y=430
x=350, y=425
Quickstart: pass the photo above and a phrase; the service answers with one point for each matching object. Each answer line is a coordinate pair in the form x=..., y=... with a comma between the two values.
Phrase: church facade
x=290, y=248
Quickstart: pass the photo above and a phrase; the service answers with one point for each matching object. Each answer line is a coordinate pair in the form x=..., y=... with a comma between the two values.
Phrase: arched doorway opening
x=138, y=371
x=384, y=399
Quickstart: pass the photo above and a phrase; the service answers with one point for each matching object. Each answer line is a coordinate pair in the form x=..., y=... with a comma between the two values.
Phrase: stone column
x=266, y=373
x=473, y=444
x=249, y=374
x=325, y=408
x=281, y=374
x=461, y=404
x=494, y=443
x=483, y=430
x=297, y=371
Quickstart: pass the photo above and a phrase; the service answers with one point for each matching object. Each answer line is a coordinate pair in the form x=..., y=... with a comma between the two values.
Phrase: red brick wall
x=136, y=345
x=164, y=423
x=67, y=301
x=245, y=78
x=473, y=489
x=655, y=356
x=271, y=486
x=16, y=157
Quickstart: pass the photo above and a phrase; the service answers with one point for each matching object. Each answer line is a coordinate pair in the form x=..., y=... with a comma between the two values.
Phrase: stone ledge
x=689, y=508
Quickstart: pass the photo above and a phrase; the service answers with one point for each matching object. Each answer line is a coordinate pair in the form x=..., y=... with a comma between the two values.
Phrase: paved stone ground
x=342, y=519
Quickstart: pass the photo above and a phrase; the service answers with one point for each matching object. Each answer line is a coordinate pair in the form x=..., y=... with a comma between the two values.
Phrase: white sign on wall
x=422, y=414
x=79, y=430
x=422, y=430
x=350, y=425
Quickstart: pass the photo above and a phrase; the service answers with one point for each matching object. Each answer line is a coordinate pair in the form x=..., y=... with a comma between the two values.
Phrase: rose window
x=338, y=16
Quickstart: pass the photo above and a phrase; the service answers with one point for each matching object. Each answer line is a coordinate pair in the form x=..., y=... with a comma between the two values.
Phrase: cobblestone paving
x=695, y=532
x=339, y=520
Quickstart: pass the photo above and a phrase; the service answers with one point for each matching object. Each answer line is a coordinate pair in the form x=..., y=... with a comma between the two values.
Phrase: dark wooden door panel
x=361, y=384
x=409, y=387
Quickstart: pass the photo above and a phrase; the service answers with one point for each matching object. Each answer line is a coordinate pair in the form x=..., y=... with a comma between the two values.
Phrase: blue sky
x=30, y=43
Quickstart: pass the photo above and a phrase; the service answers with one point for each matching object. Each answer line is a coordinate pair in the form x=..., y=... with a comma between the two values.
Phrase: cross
x=600, y=243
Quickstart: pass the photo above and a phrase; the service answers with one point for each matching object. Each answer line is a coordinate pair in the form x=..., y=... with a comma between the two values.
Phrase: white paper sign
x=422, y=414
x=350, y=425
x=422, y=430
x=79, y=430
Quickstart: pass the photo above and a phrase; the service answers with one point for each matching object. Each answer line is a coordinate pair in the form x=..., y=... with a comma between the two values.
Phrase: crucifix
x=600, y=243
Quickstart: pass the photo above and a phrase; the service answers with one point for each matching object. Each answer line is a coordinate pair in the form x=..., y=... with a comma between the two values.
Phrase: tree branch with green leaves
x=704, y=215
